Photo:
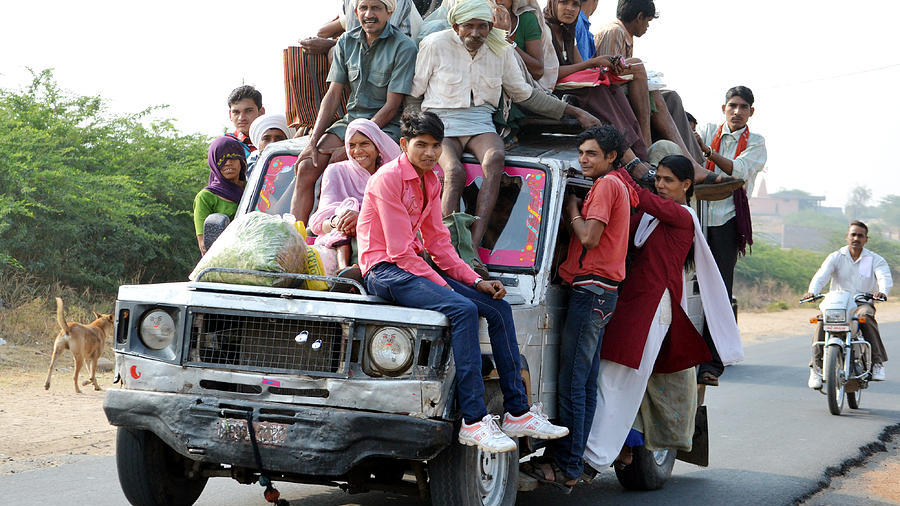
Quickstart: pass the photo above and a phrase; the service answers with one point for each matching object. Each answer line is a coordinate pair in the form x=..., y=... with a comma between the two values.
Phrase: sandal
x=708, y=378
x=533, y=469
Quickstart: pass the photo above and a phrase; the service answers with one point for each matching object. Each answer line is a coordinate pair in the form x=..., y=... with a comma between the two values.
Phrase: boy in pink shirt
x=403, y=198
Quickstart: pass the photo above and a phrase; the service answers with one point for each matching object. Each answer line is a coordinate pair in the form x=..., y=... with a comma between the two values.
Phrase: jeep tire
x=466, y=476
x=151, y=473
x=648, y=470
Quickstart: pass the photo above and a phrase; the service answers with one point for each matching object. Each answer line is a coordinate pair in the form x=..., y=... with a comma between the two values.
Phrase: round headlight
x=157, y=329
x=391, y=350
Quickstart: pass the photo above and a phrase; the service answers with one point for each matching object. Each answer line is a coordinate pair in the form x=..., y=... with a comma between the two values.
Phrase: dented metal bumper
x=306, y=440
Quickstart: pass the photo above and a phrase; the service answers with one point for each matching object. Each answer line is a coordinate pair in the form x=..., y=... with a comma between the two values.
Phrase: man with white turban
x=461, y=73
x=265, y=130
x=375, y=61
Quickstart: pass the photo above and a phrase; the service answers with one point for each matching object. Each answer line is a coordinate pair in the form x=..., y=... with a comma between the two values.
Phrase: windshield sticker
x=274, y=186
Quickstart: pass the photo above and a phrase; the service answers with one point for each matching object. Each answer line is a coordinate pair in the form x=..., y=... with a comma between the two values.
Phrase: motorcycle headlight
x=157, y=329
x=391, y=350
x=835, y=316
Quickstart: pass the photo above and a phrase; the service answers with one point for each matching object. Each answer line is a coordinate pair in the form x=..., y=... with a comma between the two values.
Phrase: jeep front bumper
x=306, y=440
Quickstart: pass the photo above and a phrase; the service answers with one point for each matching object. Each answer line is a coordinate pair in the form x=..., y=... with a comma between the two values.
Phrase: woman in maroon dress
x=650, y=331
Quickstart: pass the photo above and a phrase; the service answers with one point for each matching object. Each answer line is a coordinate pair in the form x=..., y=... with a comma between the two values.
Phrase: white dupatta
x=714, y=296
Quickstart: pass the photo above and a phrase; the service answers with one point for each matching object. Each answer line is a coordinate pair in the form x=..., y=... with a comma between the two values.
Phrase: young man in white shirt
x=853, y=269
x=731, y=149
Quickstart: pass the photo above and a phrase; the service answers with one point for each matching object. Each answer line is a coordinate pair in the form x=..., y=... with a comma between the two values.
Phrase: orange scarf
x=741, y=202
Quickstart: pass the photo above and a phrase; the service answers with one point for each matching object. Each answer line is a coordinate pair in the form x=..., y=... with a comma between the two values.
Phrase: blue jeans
x=462, y=305
x=579, y=363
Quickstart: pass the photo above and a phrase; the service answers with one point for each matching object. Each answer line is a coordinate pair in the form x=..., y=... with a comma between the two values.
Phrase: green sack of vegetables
x=256, y=241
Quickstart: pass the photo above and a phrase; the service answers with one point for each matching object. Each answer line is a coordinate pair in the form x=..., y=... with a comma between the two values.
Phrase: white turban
x=267, y=122
x=391, y=5
x=465, y=10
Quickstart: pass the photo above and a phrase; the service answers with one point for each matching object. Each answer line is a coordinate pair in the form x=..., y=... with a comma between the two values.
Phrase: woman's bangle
x=577, y=217
x=331, y=221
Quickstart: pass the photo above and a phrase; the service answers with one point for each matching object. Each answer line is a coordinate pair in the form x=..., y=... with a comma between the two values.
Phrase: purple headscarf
x=222, y=149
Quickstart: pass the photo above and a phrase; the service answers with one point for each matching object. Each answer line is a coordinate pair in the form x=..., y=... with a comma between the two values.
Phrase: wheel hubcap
x=659, y=456
x=493, y=469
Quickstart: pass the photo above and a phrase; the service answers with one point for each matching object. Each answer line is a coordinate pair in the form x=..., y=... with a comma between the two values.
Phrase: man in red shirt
x=402, y=199
x=594, y=267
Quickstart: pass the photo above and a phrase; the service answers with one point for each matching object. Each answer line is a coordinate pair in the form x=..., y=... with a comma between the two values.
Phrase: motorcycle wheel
x=853, y=399
x=834, y=387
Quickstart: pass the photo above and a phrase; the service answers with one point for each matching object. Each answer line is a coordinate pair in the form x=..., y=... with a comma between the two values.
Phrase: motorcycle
x=847, y=357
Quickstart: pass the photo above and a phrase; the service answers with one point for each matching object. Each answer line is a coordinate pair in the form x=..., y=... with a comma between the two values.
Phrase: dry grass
x=28, y=309
x=765, y=296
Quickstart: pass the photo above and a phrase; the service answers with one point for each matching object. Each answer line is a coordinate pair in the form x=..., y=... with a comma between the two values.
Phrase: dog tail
x=61, y=316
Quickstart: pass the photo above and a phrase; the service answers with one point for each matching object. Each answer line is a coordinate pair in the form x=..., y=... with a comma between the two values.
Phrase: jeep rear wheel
x=466, y=476
x=151, y=473
x=648, y=471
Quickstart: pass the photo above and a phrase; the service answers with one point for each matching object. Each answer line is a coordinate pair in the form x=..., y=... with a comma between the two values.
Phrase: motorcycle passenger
x=853, y=269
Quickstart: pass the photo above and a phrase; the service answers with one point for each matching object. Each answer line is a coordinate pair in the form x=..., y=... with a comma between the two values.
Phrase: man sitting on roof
x=461, y=73
x=663, y=115
x=376, y=62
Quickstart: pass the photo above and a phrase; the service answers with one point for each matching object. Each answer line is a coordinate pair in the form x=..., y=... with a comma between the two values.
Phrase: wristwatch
x=475, y=283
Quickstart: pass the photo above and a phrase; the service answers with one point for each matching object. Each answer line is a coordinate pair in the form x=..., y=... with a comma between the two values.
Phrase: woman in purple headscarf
x=227, y=176
x=343, y=186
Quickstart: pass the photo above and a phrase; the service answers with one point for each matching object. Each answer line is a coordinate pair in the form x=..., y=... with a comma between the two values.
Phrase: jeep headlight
x=391, y=350
x=835, y=316
x=157, y=329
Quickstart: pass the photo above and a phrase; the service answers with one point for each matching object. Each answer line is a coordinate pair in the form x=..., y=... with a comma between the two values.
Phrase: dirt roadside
x=51, y=427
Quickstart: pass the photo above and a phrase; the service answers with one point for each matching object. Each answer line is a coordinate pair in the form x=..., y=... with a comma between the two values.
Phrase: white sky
x=824, y=103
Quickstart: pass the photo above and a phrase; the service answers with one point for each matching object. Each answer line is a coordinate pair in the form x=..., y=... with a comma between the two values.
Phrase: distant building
x=782, y=203
x=769, y=210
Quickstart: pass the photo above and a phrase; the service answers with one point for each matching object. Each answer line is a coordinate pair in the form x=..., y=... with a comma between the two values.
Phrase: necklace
x=512, y=32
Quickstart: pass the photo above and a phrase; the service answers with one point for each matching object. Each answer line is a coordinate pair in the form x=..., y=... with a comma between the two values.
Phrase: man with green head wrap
x=461, y=73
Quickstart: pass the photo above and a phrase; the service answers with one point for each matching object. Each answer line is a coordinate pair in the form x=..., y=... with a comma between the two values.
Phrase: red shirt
x=392, y=213
x=607, y=201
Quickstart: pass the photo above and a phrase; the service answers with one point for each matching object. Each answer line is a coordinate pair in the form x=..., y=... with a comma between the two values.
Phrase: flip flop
x=708, y=378
x=532, y=469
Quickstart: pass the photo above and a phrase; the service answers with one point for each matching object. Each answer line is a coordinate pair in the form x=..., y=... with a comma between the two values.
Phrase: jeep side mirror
x=212, y=228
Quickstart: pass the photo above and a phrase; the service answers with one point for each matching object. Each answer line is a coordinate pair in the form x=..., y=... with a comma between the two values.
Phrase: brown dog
x=85, y=341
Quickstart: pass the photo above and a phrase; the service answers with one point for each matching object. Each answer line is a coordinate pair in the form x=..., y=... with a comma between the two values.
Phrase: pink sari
x=344, y=183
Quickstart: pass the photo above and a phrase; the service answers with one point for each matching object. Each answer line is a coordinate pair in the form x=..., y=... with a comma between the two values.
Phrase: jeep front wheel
x=466, y=476
x=151, y=473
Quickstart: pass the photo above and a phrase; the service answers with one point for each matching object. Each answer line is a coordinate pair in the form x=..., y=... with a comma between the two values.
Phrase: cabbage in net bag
x=256, y=241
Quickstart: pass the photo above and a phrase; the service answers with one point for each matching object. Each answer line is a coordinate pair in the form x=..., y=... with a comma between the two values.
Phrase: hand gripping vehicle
x=264, y=384
x=847, y=357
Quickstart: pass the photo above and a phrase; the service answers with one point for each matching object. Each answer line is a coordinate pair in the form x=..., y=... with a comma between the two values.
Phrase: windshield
x=511, y=241
x=277, y=186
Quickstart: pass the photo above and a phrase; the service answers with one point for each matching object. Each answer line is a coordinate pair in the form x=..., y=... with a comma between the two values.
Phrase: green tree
x=93, y=199
x=858, y=202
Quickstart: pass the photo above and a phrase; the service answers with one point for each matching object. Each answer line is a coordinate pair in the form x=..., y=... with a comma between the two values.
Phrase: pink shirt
x=391, y=215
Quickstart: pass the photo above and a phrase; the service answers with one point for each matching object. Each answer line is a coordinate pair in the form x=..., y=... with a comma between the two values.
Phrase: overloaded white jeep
x=286, y=384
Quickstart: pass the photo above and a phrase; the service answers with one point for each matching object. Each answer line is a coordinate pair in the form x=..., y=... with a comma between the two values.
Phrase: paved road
x=772, y=439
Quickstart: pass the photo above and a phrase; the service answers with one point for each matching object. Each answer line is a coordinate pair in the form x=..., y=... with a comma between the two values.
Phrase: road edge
x=859, y=460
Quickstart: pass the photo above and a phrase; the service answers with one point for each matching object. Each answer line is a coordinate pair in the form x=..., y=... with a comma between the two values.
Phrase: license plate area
x=267, y=433
x=837, y=328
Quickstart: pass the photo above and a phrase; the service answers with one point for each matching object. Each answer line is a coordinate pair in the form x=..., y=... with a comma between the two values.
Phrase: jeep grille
x=269, y=344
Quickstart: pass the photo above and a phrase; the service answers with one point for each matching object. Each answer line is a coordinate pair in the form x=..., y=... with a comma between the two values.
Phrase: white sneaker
x=486, y=435
x=534, y=424
x=815, y=379
x=878, y=372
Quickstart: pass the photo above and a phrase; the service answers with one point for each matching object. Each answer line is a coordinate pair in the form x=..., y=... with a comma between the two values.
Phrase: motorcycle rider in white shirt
x=853, y=269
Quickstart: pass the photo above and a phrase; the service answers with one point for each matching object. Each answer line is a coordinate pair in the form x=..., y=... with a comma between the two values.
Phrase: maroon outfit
x=658, y=265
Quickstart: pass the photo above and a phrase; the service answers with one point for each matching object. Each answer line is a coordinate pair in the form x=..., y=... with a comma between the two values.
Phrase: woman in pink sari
x=343, y=186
